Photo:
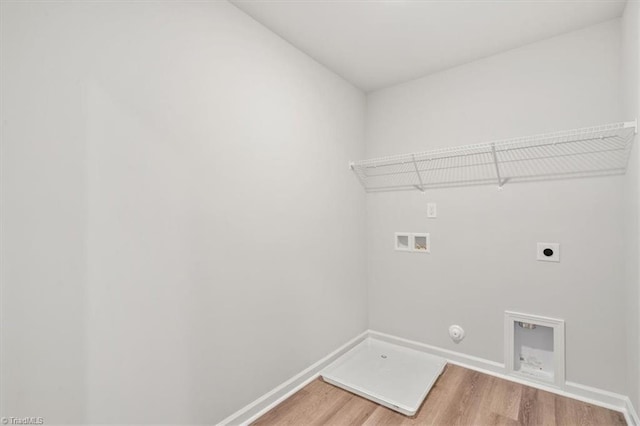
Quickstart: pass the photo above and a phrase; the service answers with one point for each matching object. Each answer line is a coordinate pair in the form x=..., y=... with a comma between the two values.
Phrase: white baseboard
x=631, y=414
x=262, y=405
x=590, y=395
x=451, y=356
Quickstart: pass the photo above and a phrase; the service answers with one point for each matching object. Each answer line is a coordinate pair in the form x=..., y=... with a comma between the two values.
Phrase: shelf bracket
x=352, y=167
x=495, y=161
x=415, y=165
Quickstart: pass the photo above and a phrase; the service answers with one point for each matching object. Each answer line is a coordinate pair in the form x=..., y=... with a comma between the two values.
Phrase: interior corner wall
x=483, y=242
x=181, y=232
x=630, y=58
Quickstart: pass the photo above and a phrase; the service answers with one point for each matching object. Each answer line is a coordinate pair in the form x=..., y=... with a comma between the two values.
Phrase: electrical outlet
x=549, y=252
x=432, y=211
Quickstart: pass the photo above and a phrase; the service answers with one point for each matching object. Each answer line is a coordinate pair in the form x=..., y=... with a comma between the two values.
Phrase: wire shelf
x=592, y=151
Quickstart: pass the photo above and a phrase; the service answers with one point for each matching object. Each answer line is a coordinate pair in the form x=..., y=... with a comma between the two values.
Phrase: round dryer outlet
x=456, y=333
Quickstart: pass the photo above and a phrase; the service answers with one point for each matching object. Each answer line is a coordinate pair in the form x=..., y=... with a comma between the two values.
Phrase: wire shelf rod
x=489, y=163
x=587, y=151
x=484, y=147
x=489, y=149
x=421, y=187
x=495, y=162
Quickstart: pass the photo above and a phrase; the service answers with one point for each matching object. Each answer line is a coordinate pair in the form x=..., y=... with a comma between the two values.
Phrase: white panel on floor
x=396, y=377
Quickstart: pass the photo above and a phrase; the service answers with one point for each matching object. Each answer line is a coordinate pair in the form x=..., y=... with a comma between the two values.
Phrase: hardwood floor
x=459, y=397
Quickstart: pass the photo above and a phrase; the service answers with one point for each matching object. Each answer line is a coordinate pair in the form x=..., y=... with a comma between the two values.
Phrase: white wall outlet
x=456, y=333
x=549, y=252
x=432, y=211
x=403, y=241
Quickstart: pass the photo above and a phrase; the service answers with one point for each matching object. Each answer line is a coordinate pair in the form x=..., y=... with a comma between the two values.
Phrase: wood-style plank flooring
x=459, y=397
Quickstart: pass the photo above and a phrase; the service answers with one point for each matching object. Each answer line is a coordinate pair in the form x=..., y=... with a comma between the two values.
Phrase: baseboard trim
x=451, y=356
x=588, y=394
x=262, y=405
x=631, y=414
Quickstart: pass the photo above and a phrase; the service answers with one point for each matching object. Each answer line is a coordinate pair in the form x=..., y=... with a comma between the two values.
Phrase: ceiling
x=374, y=44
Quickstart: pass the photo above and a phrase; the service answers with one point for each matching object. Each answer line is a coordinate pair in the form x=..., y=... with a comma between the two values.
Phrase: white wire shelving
x=592, y=151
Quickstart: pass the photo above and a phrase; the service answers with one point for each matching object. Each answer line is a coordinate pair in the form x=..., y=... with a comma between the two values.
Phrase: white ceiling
x=374, y=44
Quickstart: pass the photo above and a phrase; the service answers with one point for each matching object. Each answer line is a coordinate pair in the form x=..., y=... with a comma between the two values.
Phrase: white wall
x=180, y=230
x=630, y=55
x=483, y=254
x=180, y=233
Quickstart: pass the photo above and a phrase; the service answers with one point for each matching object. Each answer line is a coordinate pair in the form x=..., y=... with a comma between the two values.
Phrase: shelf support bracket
x=415, y=166
x=495, y=162
x=352, y=167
